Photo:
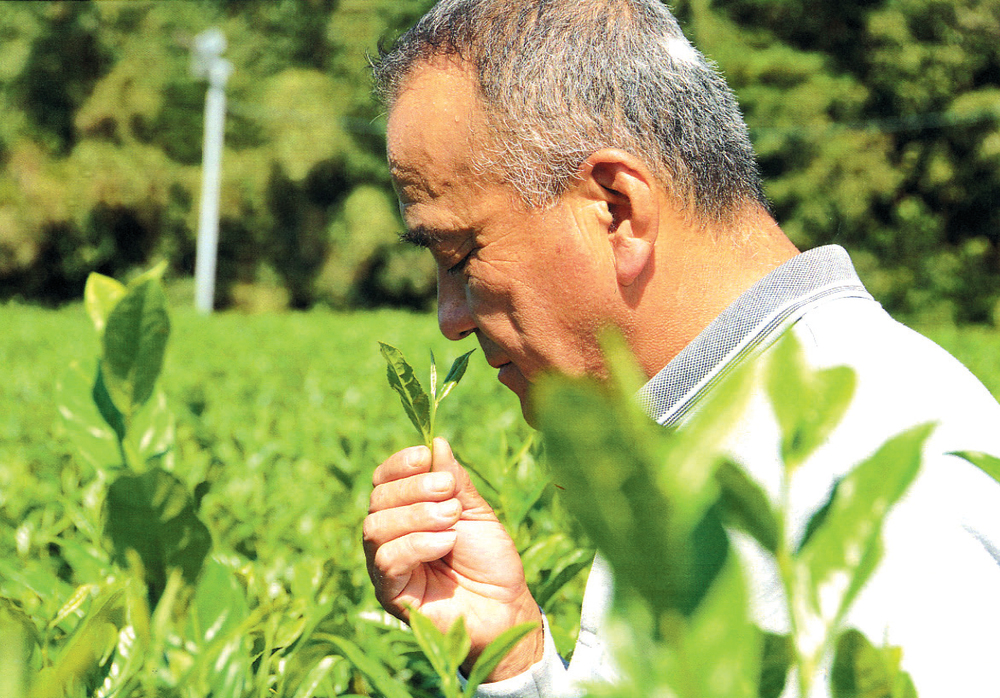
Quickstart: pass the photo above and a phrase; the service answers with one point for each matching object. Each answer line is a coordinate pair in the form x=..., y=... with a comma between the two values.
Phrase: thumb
x=465, y=491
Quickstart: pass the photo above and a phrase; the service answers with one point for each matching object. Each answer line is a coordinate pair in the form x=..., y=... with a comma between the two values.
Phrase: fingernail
x=449, y=509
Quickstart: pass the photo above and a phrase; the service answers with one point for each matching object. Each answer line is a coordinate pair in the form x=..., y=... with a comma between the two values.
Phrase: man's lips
x=506, y=372
x=497, y=361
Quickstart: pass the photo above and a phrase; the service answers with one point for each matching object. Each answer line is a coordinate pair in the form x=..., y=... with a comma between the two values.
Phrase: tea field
x=273, y=425
x=276, y=423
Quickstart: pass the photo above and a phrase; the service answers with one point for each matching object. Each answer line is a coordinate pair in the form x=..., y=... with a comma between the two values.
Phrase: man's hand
x=435, y=545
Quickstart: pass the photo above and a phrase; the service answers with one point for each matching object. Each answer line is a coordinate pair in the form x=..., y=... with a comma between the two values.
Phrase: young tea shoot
x=420, y=407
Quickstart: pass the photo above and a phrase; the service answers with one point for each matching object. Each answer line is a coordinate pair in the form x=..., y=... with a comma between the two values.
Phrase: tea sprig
x=420, y=407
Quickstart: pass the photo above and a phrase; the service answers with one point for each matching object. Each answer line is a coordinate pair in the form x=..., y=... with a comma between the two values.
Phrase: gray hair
x=561, y=79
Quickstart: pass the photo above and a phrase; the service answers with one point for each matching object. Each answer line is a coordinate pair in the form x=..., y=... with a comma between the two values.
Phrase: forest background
x=877, y=124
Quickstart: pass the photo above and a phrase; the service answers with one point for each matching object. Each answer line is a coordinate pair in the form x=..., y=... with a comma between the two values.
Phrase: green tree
x=877, y=128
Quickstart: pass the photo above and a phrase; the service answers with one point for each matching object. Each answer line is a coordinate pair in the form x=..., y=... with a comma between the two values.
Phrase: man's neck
x=698, y=274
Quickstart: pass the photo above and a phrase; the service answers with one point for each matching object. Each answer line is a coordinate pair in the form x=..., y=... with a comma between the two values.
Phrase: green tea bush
x=200, y=537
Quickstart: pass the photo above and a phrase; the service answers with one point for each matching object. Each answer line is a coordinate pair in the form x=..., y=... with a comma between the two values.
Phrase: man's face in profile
x=531, y=284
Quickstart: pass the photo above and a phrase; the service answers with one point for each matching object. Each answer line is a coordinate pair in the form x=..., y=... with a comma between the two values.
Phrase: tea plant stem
x=783, y=556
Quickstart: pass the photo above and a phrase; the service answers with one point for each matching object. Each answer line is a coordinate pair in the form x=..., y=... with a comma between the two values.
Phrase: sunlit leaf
x=457, y=643
x=436, y=647
x=134, y=341
x=88, y=651
x=219, y=605
x=841, y=555
x=455, y=374
x=494, y=653
x=154, y=273
x=861, y=670
x=373, y=670
x=317, y=675
x=154, y=431
x=18, y=642
x=434, y=378
x=95, y=442
x=402, y=379
x=100, y=296
x=984, y=461
x=807, y=403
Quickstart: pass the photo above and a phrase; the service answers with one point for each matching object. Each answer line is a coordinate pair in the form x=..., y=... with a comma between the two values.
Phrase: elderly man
x=575, y=165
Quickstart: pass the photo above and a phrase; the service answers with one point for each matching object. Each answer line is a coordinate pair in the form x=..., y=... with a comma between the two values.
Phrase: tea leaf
x=373, y=670
x=721, y=648
x=985, y=462
x=87, y=651
x=411, y=394
x=94, y=441
x=610, y=457
x=18, y=641
x=217, y=611
x=434, y=378
x=778, y=655
x=861, y=670
x=152, y=274
x=438, y=649
x=100, y=296
x=455, y=374
x=317, y=675
x=494, y=653
x=841, y=554
x=457, y=643
x=745, y=506
x=807, y=403
x=106, y=406
x=135, y=339
x=153, y=514
x=574, y=564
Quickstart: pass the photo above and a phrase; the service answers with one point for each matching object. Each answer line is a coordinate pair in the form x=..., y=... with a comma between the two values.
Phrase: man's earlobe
x=632, y=256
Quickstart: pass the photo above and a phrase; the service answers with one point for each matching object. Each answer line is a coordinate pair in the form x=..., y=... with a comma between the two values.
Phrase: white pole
x=208, y=47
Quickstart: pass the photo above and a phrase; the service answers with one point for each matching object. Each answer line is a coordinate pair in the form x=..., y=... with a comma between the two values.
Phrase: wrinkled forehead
x=434, y=130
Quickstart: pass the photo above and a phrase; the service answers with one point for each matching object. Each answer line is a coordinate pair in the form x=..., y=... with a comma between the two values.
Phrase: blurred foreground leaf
x=18, y=642
x=808, y=404
x=154, y=515
x=861, y=670
x=841, y=555
x=744, y=506
x=984, y=461
x=217, y=612
x=86, y=657
x=100, y=296
x=645, y=495
x=134, y=341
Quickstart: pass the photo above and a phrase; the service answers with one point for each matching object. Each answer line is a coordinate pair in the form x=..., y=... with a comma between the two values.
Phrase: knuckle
x=368, y=529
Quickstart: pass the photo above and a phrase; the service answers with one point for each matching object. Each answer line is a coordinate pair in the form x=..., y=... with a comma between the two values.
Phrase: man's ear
x=630, y=194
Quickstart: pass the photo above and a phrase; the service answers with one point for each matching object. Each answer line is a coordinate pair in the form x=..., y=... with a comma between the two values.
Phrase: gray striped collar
x=749, y=325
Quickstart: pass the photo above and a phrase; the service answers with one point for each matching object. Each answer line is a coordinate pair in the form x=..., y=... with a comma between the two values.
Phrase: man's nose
x=454, y=317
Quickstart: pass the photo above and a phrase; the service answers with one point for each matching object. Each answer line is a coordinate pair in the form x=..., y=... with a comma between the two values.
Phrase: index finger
x=402, y=464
